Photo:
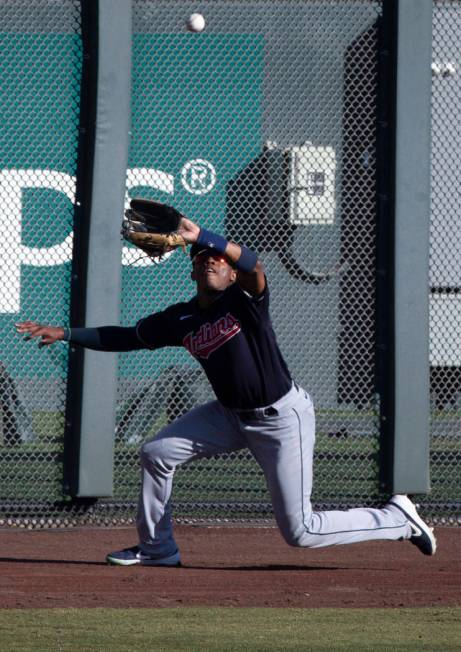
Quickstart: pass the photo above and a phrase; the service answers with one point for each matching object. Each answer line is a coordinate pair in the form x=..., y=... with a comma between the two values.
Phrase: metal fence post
x=90, y=414
x=411, y=247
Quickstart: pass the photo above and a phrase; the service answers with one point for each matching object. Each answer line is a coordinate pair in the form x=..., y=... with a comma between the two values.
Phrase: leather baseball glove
x=153, y=227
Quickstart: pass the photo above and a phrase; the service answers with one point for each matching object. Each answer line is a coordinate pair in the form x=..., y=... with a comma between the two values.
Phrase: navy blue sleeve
x=106, y=338
x=246, y=302
x=159, y=329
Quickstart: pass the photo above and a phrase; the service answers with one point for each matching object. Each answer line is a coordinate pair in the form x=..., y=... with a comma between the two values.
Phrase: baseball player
x=226, y=327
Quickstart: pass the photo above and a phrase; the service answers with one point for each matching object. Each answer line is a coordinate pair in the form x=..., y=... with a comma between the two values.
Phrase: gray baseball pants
x=281, y=438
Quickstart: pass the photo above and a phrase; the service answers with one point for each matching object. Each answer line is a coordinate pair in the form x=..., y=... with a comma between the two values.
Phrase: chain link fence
x=445, y=264
x=263, y=128
x=40, y=67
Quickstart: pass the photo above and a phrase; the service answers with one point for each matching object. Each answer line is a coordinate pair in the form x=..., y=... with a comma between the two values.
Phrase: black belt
x=267, y=412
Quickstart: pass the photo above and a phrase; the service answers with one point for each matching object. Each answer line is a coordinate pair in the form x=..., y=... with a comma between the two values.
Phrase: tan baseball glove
x=153, y=227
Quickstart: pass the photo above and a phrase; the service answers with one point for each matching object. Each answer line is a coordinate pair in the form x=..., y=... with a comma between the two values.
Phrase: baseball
x=196, y=23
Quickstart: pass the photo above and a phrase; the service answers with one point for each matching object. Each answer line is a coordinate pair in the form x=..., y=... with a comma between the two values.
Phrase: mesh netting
x=261, y=128
x=445, y=263
x=40, y=65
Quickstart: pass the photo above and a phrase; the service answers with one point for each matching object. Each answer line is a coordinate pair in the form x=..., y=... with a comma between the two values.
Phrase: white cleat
x=422, y=535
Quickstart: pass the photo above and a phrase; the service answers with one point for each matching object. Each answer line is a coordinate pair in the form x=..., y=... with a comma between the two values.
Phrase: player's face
x=212, y=272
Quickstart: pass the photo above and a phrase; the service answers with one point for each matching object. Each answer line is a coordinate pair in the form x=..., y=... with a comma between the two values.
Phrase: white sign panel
x=312, y=185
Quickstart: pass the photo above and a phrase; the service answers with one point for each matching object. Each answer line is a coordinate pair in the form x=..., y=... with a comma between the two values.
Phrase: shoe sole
x=172, y=562
x=412, y=515
x=119, y=562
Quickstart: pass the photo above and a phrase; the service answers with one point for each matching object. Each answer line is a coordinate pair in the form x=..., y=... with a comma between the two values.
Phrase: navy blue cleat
x=422, y=535
x=134, y=555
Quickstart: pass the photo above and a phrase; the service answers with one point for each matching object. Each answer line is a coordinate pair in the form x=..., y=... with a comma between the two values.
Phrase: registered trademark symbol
x=198, y=176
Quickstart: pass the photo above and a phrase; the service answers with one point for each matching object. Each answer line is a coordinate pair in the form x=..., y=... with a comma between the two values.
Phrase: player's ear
x=233, y=275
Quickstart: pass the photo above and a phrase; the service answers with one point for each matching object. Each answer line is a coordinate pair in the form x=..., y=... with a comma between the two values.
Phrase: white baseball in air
x=196, y=23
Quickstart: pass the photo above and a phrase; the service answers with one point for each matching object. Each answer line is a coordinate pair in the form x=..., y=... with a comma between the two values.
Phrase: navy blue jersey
x=234, y=342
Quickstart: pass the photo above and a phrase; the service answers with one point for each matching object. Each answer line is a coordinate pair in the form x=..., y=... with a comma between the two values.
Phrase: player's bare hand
x=47, y=334
x=189, y=230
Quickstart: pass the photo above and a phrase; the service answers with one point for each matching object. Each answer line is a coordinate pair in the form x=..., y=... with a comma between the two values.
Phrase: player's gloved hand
x=47, y=334
x=155, y=228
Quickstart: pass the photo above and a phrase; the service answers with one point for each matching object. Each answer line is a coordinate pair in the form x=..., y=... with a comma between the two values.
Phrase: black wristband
x=211, y=240
x=247, y=261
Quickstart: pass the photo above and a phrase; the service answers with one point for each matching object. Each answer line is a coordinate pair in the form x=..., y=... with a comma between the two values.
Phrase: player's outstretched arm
x=47, y=334
x=250, y=271
x=102, y=338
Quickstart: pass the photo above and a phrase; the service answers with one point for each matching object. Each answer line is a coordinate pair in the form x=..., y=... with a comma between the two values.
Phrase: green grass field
x=227, y=629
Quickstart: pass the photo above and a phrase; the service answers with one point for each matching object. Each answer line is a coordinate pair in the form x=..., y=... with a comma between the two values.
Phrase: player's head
x=211, y=270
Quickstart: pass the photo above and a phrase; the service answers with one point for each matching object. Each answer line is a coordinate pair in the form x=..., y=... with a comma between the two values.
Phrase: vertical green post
x=102, y=300
x=411, y=247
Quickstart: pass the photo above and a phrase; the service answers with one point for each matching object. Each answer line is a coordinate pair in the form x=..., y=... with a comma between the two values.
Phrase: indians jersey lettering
x=211, y=336
x=232, y=340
